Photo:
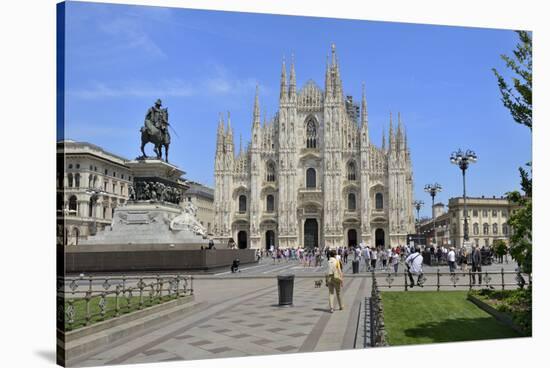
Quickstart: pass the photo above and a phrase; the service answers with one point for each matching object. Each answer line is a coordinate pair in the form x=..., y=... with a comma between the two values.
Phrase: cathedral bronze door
x=242, y=240
x=269, y=239
x=352, y=238
x=311, y=233
x=379, y=237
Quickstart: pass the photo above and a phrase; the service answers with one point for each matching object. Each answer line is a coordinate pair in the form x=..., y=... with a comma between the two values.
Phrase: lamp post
x=463, y=160
x=94, y=195
x=432, y=190
x=418, y=205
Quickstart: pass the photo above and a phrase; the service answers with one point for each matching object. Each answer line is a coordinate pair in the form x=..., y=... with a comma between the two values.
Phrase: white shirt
x=451, y=256
x=414, y=260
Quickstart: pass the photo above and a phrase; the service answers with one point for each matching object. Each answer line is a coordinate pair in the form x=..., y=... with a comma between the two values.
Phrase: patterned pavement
x=247, y=323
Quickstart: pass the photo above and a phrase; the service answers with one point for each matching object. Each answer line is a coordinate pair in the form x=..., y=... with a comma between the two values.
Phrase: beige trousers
x=334, y=286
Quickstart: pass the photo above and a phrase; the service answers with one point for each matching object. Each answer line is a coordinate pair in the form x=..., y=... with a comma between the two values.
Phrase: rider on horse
x=157, y=117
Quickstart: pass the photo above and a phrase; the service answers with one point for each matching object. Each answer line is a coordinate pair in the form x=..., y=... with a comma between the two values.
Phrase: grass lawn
x=437, y=316
x=80, y=309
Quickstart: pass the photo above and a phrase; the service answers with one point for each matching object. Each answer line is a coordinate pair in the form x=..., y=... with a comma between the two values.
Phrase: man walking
x=476, y=265
x=451, y=260
x=414, y=266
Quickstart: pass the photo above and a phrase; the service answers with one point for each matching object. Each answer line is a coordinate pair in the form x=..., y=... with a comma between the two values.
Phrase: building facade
x=311, y=176
x=203, y=199
x=92, y=182
x=487, y=220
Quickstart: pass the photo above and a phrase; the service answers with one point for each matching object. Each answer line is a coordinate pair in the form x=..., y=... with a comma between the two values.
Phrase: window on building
x=105, y=186
x=311, y=134
x=504, y=213
x=379, y=201
x=70, y=166
x=486, y=242
x=494, y=213
x=485, y=213
x=495, y=228
x=474, y=213
x=485, y=229
x=106, y=172
x=77, y=180
x=476, y=229
x=72, y=206
x=91, y=167
x=121, y=189
x=351, y=171
x=311, y=178
x=70, y=180
x=242, y=203
x=270, y=203
x=270, y=171
x=78, y=166
x=114, y=187
x=91, y=206
x=505, y=229
x=114, y=174
x=351, y=201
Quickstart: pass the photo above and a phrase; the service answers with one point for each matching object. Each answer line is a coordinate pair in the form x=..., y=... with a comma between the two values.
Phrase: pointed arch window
x=379, y=199
x=270, y=171
x=351, y=171
x=351, y=202
x=270, y=203
x=311, y=134
x=242, y=203
x=311, y=178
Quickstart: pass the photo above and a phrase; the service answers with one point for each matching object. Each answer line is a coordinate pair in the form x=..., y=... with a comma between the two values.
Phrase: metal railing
x=376, y=329
x=488, y=279
x=87, y=299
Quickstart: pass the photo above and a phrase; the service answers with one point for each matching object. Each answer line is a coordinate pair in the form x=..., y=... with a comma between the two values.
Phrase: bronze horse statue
x=151, y=133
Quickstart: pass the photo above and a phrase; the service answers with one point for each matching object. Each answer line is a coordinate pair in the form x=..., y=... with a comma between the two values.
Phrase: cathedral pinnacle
x=292, y=83
x=256, y=116
x=364, y=113
x=283, y=93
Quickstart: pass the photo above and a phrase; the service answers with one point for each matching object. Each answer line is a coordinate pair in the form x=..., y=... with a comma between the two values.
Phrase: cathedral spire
x=283, y=93
x=240, y=144
x=292, y=83
x=256, y=117
x=400, y=140
x=229, y=130
x=328, y=81
x=383, y=139
x=392, y=136
x=364, y=113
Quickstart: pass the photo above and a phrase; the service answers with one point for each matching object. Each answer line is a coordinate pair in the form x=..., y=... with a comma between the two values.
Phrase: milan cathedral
x=311, y=176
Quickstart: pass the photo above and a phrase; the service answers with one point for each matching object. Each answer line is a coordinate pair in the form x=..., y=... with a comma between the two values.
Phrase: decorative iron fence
x=376, y=330
x=84, y=300
x=488, y=279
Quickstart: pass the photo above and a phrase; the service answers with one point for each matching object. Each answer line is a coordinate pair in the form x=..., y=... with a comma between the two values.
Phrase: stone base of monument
x=151, y=258
x=148, y=223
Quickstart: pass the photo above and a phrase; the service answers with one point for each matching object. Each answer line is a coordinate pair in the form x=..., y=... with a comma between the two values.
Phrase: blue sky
x=120, y=59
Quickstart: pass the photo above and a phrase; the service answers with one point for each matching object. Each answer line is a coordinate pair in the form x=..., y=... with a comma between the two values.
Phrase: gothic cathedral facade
x=311, y=176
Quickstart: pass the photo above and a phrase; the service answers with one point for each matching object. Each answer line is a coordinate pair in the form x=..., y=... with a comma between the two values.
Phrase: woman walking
x=334, y=280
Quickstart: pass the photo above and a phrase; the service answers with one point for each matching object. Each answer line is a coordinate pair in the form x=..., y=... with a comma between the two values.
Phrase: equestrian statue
x=155, y=130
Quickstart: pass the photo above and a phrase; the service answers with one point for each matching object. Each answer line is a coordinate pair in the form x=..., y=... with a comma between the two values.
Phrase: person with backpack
x=334, y=280
x=413, y=263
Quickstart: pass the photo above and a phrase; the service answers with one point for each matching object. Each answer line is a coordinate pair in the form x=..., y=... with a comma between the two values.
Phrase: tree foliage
x=519, y=98
x=500, y=248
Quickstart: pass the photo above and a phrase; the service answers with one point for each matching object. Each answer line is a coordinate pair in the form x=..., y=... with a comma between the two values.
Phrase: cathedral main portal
x=311, y=233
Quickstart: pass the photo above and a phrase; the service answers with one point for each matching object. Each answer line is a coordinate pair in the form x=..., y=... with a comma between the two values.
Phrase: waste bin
x=286, y=289
x=355, y=266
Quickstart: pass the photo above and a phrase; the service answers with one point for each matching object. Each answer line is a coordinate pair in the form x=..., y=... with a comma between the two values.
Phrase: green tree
x=518, y=100
x=500, y=248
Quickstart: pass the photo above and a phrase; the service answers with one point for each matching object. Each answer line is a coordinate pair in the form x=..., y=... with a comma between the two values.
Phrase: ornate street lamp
x=418, y=205
x=463, y=160
x=432, y=190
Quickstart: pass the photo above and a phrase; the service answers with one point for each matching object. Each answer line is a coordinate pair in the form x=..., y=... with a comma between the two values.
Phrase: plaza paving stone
x=241, y=317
